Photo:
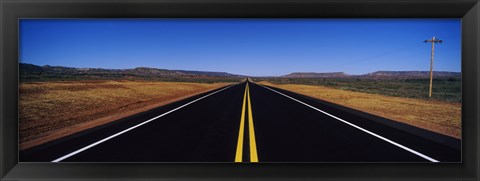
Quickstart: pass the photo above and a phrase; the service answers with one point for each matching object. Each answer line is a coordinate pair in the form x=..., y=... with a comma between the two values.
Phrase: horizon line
x=242, y=74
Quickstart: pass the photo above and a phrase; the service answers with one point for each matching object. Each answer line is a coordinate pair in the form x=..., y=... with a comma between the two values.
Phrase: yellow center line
x=251, y=130
x=239, y=154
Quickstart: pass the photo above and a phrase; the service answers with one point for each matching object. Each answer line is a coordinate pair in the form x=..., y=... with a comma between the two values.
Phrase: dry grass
x=49, y=110
x=438, y=116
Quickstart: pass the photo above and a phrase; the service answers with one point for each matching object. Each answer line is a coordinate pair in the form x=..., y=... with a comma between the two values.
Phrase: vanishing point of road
x=248, y=122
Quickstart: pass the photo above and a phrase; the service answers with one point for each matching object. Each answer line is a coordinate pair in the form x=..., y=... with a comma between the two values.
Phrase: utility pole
x=433, y=41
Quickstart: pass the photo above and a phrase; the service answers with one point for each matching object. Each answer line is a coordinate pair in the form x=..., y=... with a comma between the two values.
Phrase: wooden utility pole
x=433, y=41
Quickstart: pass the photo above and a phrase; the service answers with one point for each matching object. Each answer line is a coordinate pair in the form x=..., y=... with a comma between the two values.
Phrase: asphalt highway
x=248, y=122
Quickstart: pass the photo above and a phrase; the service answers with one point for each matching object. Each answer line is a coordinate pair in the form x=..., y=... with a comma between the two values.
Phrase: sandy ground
x=438, y=116
x=51, y=110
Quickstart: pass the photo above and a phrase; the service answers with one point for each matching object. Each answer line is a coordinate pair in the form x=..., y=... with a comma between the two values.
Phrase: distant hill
x=412, y=74
x=30, y=70
x=315, y=75
x=376, y=75
x=209, y=74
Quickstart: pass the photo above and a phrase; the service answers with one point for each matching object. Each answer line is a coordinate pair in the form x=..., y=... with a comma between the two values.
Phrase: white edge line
x=133, y=127
x=360, y=128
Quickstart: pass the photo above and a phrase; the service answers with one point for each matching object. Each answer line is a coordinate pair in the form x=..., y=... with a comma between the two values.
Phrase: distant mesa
x=30, y=69
x=412, y=74
x=315, y=75
x=376, y=75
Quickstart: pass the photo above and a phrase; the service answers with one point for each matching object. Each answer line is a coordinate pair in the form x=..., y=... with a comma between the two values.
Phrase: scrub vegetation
x=444, y=89
x=436, y=115
x=50, y=110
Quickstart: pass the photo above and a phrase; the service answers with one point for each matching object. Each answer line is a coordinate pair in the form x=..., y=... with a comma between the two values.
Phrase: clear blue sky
x=255, y=47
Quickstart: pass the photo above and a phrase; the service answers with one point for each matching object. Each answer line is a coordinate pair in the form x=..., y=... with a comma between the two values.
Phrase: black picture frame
x=11, y=11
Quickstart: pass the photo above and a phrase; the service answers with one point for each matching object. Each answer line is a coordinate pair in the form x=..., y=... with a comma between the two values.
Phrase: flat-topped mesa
x=30, y=69
x=377, y=75
x=412, y=74
x=316, y=75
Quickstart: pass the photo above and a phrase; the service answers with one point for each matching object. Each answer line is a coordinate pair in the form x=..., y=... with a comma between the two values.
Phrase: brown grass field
x=51, y=110
x=438, y=116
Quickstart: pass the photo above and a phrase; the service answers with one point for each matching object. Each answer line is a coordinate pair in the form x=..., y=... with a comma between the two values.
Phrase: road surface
x=248, y=122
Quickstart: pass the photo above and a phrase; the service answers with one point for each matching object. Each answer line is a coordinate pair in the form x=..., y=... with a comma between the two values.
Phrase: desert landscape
x=59, y=101
x=436, y=115
x=218, y=90
x=56, y=101
x=51, y=110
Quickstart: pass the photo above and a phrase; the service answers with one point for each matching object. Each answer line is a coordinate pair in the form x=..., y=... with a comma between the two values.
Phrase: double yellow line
x=251, y=131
